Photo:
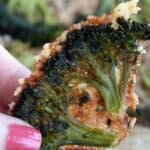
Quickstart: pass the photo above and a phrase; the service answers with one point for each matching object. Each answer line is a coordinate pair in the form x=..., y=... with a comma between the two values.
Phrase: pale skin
x=10, y=71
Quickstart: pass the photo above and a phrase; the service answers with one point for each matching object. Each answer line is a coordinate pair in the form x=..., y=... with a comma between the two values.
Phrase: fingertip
x=10, y=72
x=17, y=134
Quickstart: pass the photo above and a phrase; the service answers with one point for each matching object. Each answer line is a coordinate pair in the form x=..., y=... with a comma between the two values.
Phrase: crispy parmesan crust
x=86, y=114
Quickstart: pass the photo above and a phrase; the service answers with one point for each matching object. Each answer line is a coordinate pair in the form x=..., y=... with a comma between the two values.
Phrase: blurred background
x=26, y=25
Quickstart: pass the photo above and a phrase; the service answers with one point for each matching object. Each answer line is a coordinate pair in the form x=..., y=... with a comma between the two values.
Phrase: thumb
x=18, y=135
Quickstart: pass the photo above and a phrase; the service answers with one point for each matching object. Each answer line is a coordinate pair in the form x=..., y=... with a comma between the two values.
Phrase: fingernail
x=23, y=138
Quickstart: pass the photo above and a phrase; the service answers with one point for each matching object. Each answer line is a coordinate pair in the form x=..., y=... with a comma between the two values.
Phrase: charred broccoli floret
x=83, y=84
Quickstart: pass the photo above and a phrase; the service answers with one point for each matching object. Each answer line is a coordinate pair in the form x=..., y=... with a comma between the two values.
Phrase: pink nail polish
x=23, y=138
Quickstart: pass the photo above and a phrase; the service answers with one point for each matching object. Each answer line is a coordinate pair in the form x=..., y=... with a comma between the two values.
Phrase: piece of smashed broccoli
x=95, y=55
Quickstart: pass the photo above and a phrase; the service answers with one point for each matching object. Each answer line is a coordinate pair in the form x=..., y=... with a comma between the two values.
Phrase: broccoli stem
x=106, y=83
x=78, y=134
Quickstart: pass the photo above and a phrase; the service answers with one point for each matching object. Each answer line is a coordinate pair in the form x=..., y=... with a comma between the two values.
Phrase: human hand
x=15, y=134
